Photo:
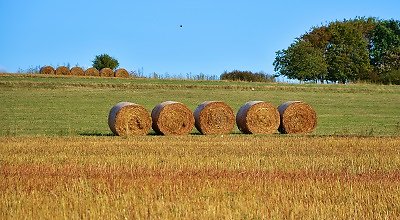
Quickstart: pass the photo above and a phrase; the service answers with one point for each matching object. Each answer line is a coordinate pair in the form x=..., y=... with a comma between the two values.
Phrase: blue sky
x=216, y=35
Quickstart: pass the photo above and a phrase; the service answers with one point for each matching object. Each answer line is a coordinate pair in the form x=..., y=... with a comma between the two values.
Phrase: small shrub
x=249, y=76
x=105, y=61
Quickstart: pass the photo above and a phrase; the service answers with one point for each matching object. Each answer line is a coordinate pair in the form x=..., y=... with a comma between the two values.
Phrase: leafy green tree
x=385, y=51
x=347, y=53
x=363, y=49
x=302, y=61
x=105, y=61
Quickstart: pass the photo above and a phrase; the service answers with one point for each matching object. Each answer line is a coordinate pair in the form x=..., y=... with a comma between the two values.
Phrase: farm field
x=37, y=105
x=59, y=160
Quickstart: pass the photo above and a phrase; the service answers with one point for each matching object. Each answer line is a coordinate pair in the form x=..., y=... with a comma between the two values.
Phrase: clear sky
x=216, y=35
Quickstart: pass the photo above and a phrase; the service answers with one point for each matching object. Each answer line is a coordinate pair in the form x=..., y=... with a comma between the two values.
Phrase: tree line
x=360, y=49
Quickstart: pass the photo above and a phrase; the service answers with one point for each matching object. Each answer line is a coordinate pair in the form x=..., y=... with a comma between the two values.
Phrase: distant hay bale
x=77, y=71
x=297, y=117
x=121, y=72
x=213, y=117
x=48, y=70
x=126, y=119
x=62, y=70
x=106, y=72
x=258, y=117
x=92, y=72
x=172, y=118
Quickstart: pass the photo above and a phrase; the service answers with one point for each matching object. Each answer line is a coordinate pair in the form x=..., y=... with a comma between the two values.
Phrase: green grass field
x=34, y=105
x=58, y=159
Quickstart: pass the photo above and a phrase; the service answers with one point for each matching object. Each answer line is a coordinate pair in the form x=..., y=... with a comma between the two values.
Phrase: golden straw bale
x=92, y=72
x=62, y=70
x=297, y=117
x=121, y=72
x=258, y=117
x=77, y=71
x=214, y=117
x=48, y=70
x=127, y=119
x=172, y=118
x=106, y=72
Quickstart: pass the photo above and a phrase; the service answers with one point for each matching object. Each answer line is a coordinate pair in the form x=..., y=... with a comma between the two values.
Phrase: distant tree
x=237, y=75
x=385, y=51
x=361, y=49
x=302, y=61
x=105, y=61
x=347, y=53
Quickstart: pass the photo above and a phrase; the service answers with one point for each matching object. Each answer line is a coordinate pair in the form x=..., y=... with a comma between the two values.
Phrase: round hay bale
x=62, y=70
x=92, y=72
x=213, y=117
x=106, y=72
x=121, y=72
x=258, y=117
x=77, y=71
x=49, y=70
x=126, y=119
x=172, y=118
x=297, y=117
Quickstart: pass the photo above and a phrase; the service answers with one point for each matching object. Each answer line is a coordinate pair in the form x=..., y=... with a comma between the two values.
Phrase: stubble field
x=59, y=160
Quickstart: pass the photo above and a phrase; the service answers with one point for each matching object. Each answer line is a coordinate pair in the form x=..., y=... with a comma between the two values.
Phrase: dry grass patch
x=200, y=177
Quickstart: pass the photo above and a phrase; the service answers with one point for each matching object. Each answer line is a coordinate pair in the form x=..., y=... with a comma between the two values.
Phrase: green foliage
x=237, y=75
x=347, y=53
x=385, y=51
x=302, y=61
x=362, y=49
x=105, y=61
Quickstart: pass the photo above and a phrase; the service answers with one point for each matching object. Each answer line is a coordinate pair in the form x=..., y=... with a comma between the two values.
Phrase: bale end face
x=92, y=72
x=62, y=70
x=121, y=72
x=126, y=119
x=106, y=72
x=48, y=70
x=77, y=71
x=172, y=118
x=258, y=117
x=296, y=118
x=214, y=117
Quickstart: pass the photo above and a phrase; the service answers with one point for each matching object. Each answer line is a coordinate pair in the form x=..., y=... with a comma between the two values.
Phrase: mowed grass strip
x=198, y=177
x=73, y=106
